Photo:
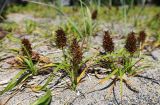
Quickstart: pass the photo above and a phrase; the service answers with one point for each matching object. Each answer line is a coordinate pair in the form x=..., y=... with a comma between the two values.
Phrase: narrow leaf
x=21, y=76
x=44, y=100
x=109, y=76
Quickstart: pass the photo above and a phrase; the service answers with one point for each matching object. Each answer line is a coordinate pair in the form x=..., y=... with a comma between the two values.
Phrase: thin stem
x=64, y=55
x=140, y=48
x=73, y=80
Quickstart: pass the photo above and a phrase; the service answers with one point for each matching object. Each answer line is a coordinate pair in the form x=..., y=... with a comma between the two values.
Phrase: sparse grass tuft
x=30, y=26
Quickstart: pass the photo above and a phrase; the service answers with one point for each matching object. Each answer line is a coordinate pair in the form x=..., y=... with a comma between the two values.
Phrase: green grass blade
x=121, y=82
x=47, y=82
x=21, y=76
x=30, y=65
x=44, y=100
x=109, y=76
x=12, y=38
x=75, y=28
x=27, y=62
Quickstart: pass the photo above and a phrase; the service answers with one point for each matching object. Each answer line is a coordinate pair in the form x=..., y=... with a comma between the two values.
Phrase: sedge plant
x=120, y=64
x=27, y=61
x=73, y=63
x=29, y=68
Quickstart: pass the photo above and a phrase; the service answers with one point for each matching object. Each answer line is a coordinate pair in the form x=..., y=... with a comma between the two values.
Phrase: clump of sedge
x=61, y=39
x=76, y=59
x=108, y=44
x=131, y=43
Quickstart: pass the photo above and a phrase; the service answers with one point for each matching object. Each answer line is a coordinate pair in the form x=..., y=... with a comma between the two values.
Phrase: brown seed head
x=108, y=44
x=3, y=33
x=60, y=38
x=76, y=52
x=26, y=47
x=142, y=37
x=35, y=56
x=94, y=14
x=131, y=43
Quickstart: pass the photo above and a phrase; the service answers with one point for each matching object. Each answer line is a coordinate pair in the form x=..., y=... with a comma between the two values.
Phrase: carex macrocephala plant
x=29, y=69
x=131, y=48
x=76, y=60
x=120, y=63
x=105, y=59
x=28, y=58
x=108, y=46
x=72, y=64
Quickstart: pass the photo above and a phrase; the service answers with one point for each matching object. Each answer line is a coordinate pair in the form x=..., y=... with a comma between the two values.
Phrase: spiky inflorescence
x=94, y=14
x=142, y=37
x=108, y=44
x=60, y=38
x=131, y=43
x=76, y=52
x=26, y=47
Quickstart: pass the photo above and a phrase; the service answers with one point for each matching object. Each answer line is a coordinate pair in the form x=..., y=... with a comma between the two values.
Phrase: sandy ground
x=88, y=92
